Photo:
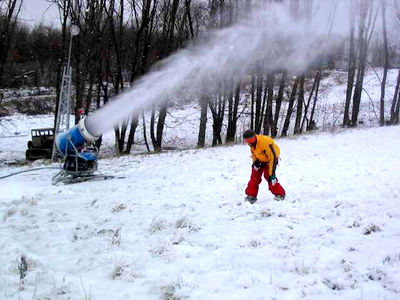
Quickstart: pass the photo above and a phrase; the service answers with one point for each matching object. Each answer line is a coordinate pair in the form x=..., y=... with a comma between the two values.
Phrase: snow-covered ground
x=176, y=226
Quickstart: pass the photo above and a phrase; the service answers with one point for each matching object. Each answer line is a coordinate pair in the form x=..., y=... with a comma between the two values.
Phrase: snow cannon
x=80, y=154
x=69, y=142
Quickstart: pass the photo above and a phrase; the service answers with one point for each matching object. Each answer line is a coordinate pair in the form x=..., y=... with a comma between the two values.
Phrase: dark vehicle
x=41, y=145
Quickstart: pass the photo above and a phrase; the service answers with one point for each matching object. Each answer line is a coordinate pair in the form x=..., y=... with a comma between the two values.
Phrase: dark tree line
x=120, y=40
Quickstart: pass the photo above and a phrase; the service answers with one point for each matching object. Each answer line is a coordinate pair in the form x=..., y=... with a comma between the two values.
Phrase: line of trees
x=121, y=39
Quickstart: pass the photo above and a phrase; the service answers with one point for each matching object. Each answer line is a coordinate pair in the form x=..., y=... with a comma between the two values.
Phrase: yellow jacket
x=266, y=151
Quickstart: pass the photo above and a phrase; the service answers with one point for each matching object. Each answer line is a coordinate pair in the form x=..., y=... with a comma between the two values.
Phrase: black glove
x=257, y=165
x=272, y=179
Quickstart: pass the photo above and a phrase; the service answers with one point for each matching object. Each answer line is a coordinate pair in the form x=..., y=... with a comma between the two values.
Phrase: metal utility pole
x=64, y=105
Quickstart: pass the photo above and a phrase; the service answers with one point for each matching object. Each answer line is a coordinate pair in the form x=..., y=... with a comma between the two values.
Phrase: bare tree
x=278, y=104
x=269, y=94
x=217, y=107
x=292, y=99
x=203, y=101
x=386, y=64
x=8, y=20
x=365, y=29
x=168, y=36
x=63, y=8
x=351, y=66
x=233, y=113
x=394, y=110
x=300, y=104
x=144, y=25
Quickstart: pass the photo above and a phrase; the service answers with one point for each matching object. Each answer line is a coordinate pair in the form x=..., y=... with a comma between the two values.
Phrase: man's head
x=249, y=137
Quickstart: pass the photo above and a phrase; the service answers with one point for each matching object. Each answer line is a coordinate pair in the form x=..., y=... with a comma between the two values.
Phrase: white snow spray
x=267, y=35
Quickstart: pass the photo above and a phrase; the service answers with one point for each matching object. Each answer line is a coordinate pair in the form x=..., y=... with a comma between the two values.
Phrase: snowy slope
x=182, y=122
x=177, y=226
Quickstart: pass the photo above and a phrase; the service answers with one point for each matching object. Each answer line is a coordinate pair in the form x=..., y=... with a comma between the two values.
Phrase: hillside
x=176, y=225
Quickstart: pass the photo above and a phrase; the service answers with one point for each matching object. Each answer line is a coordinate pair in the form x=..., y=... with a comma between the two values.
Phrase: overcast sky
x=36, y=11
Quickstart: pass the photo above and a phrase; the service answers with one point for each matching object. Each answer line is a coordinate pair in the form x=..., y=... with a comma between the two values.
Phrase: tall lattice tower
x=64, y=104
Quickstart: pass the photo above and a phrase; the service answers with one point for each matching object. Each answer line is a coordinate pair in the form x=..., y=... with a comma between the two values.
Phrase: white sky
x=36, y=11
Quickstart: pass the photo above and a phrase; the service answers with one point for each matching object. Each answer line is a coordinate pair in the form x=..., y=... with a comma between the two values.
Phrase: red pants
x=255, y=180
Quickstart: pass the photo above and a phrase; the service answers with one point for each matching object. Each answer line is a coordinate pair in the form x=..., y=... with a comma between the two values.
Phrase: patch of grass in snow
x=255, y=244
x=15, y=267
x=347, y=265
x=116, y=238
x=160, y=250
x=301, y=269
x=123, y=272
x=170, y=292
x=157, y=225
x=376, y=274
x=355, y=224
x=333, y=285
x=119, y=207
x=33, y=202
x=371, y=228
x=24, y=212
x=186, y=223
x=266, y=213
x=9, y=213
x=392, y=259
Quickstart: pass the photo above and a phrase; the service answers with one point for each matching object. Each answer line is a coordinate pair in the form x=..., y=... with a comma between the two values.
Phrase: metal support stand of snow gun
x=79, y=155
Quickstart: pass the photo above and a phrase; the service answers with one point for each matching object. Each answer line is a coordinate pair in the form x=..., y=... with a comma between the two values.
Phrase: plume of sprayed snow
x=267, y=38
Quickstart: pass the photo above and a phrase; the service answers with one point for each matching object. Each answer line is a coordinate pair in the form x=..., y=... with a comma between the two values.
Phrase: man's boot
x=251, y=199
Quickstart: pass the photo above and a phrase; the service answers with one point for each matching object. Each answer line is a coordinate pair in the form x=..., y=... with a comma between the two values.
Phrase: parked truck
x=41, y=145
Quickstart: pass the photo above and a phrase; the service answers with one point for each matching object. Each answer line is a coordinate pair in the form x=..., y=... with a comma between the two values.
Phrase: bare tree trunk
x=79, y=79
x=278, y=105
x=365, y=32
x=233, y=115
x=217, y=108
x=397, y=111
x=63, y=8
x=386, y=65
x=132, y=130
x=169, y=35
x=300, y=103
x=311, y=122
x=89, y=95
x=6, y=35
x=258, y=112
x=117, y=40
x=204, y=100
x=144, y=24
x=316, y=81
x=268, y=121
x=189, y=17
x=351, y=68
x=252, y=90
x=144, y=132
x=160, y=126
x=152, y=124
x=394, y=110
x=290, y=107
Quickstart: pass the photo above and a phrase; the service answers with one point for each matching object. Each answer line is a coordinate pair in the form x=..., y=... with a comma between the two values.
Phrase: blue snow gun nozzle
x=68, y=142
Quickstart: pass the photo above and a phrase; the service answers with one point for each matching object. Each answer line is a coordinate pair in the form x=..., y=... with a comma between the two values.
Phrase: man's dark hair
x=248, y=134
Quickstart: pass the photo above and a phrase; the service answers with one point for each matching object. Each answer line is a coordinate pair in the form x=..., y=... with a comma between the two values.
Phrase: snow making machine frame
x=79, y=156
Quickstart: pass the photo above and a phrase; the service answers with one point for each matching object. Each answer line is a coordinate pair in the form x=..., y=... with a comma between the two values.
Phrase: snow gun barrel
x=74, y=138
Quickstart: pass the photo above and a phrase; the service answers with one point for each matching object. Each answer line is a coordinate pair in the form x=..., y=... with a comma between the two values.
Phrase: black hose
x=29, y=170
